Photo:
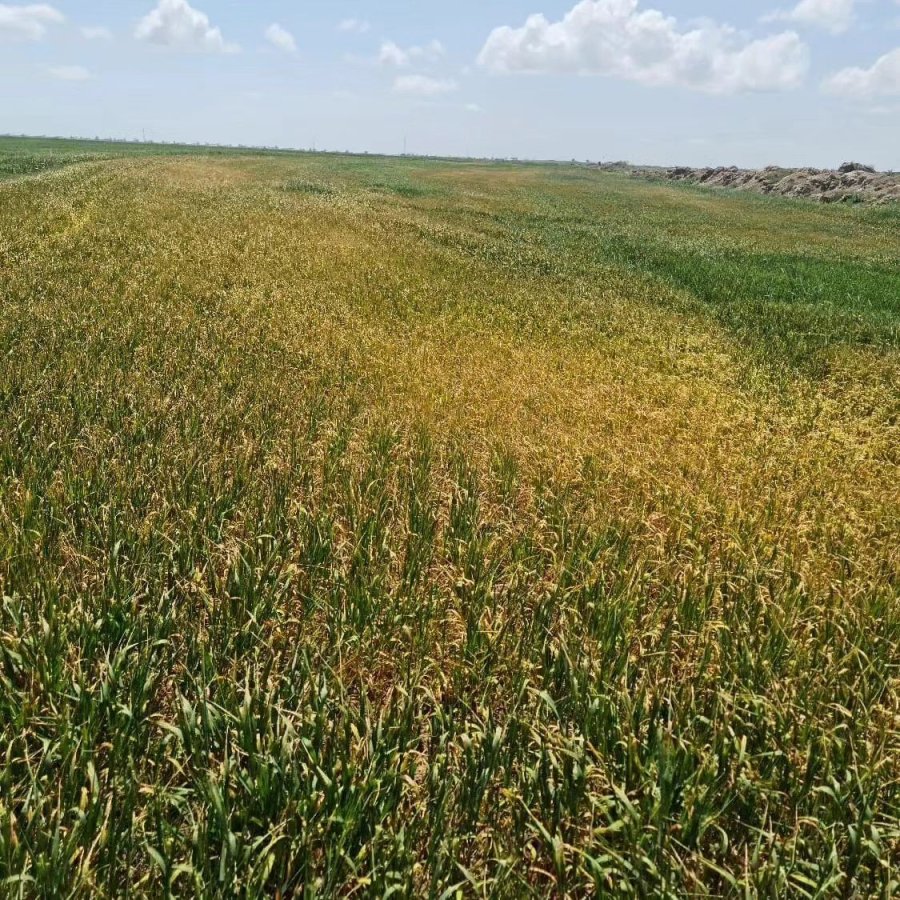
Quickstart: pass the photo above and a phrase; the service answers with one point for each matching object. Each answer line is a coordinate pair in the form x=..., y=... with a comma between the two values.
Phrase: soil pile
x=850, y=183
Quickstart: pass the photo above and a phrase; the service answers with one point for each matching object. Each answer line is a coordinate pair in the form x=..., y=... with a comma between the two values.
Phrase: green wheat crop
x=378, y=527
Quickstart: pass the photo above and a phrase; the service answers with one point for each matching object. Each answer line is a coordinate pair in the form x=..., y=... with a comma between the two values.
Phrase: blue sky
x=657, y=81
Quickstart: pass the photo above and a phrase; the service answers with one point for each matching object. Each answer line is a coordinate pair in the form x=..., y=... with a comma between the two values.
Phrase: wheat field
x=396, y=527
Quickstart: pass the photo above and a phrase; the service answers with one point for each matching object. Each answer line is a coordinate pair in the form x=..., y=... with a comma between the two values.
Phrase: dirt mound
x=851, y=183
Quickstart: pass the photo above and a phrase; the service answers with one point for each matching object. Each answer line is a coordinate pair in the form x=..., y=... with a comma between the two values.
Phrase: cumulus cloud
x=358, y=26
x=175, y=23
x=28, y=22
x=835, y=16
x=70, y=73
x=96, y=33
x=881, y=79
x=281, y=38
x=616, y=38
x=423, y=86
x=391, y=54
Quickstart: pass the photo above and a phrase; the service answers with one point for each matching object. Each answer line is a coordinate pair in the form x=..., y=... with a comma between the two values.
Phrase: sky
x=695, y=82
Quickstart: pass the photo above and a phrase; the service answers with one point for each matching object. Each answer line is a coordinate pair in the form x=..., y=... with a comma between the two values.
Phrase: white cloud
x=359, y=26
x=281, y=38
x=175, y=23
x=882, y=79
x=423, y=86
x=70, y=73
x=96, y=33
x=28, y=22
x=616, y=38
x=473, y=108
x=835, y=16
x=391, y=54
